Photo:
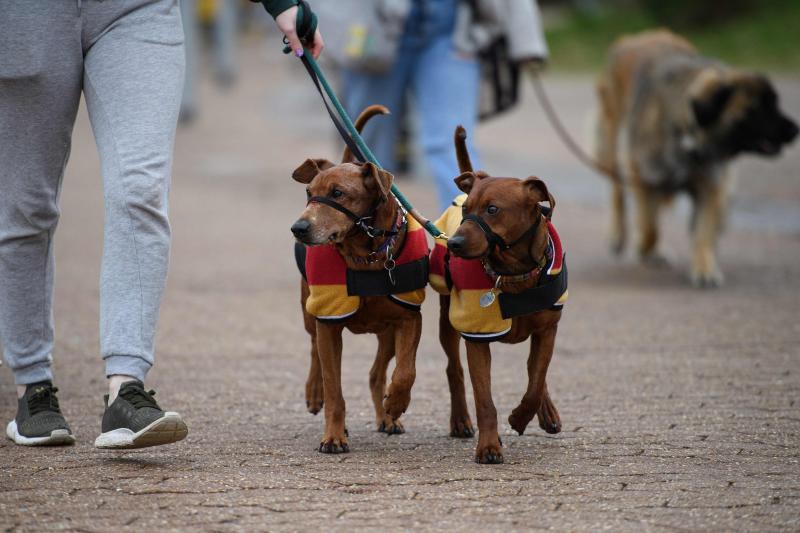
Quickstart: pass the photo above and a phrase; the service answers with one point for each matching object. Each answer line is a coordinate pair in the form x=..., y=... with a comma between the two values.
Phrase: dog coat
x=336, y=291
x=466, y=280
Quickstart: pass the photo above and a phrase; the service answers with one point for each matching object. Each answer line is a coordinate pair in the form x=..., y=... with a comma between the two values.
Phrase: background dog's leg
x=549, y=419
x=648, y=205
x=479, y=359
x=377, y=383
x=329, y=344
x=460, y=423
x=619, y=232
x=605, y=151
x=539, y=359
x=314, y=394
x=406, y=340
x=710, y=204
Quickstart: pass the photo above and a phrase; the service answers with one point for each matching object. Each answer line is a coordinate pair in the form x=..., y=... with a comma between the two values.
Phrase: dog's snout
x=301, y=228
x=455, y=243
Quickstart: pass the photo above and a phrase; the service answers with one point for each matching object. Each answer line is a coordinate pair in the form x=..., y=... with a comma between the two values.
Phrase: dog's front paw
x=519, y=419
x=334, y=445
x=390, y=427
x=489, y=454
x=549, y=419
x=707, y=279
x=314, y=396
x=396, y=402
x=461, y=428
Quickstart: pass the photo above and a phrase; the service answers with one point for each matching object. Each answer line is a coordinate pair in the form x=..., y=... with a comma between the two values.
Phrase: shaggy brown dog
x=671, y=121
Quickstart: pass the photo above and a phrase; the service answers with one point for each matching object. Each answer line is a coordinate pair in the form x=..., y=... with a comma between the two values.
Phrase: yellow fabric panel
x=451, y=218
x=331, y=301
x=467, y=315
x=439, y=284
x=414, y=297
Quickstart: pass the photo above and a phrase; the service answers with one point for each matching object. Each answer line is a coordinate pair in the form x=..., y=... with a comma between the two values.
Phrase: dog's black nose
x=790, y=130
x=455, y=243
x=301, y=228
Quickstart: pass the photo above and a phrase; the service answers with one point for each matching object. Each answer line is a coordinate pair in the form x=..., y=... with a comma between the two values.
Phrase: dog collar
x=386, y=249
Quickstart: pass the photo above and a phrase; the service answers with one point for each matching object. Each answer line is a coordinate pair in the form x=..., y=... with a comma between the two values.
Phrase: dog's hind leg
x=479, y=359
x=549, y=419
x=406, y=341
x=314, y=392
x=460, y=423
x=648, y=206
x=377, y=384
x=710, y=204
x=607, y=135
x=329, y=344
x=542, y=344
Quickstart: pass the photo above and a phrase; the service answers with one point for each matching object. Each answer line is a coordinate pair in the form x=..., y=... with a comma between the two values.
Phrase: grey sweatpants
x=127, y=58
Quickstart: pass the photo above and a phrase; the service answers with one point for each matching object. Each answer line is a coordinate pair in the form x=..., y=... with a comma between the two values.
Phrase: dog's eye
x=492, y=209
x=336, y=193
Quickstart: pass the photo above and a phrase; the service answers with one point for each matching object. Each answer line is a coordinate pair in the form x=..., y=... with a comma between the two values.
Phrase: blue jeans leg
x=388, y=89
x=446, y=89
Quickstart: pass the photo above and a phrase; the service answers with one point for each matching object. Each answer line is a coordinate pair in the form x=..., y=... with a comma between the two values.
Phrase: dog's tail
x=460, y=139
x=361, y=121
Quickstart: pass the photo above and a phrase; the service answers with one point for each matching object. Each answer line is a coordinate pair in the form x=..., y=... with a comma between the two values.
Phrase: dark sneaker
x=135, y=420
x=39, y=421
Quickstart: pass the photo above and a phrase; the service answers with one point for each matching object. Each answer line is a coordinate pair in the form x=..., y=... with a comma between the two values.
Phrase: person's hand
x=286, y=23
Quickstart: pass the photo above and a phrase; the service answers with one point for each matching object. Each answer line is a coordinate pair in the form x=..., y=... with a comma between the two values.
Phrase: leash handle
x=346, y=128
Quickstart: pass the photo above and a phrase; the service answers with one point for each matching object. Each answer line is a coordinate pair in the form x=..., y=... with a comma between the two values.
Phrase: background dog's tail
x=460, y=138
x=362, y=119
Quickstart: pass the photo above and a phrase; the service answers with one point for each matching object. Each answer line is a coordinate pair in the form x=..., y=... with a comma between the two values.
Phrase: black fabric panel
x=300, y=258
x=536, y=298
x=408, y=277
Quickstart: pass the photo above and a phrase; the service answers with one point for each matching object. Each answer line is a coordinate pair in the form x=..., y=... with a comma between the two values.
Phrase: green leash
x=306, y=26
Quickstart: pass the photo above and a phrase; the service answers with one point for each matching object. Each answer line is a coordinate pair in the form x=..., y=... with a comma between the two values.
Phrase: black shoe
x=134, y=420
x=39, y=421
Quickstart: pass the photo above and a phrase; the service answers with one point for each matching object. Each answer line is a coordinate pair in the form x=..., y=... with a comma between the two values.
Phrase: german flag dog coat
x=466, y=281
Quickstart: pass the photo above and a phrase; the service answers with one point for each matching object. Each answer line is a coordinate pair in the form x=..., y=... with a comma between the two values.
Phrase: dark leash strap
x=306, y=26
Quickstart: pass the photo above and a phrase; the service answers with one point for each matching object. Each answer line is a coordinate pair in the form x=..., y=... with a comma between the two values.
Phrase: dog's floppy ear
x=377, y=177
x=310, y=168
x=538, y=191
x=710, y=104
x=466, y=180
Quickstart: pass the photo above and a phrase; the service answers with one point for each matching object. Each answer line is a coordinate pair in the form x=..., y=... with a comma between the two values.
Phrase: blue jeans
x=443, y=84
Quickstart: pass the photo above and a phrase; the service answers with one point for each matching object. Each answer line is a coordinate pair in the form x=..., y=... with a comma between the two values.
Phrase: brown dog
x=502, y=279
x=671, y=121
x=365, y=268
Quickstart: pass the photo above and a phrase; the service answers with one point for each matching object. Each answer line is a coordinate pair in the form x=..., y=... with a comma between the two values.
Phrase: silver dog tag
x=487, y=298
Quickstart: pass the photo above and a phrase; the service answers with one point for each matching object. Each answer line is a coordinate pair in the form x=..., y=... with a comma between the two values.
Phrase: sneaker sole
x=57, y=437
x=166, y=430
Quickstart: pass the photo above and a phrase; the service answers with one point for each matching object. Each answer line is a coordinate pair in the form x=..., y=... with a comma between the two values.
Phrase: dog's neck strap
x=360, y=222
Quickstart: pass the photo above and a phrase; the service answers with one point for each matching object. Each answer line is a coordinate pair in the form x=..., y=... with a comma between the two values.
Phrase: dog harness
x=336, y=291
x=476, y=315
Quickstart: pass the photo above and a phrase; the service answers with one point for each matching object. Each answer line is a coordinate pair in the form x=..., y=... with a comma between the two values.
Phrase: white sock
x=114, y=383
